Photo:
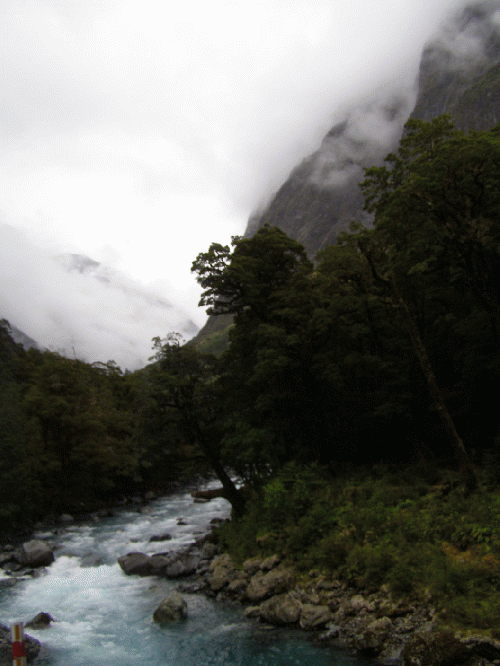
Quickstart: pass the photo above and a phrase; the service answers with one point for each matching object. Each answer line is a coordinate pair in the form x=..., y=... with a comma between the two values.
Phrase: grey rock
x=40, y=621
x=185, y=565
x=66, y=518
x=208, y=551
x=173, y=608
x=281, y=609
x=137, y=564
x=222, y=572
x=313, y=617
x=160, y=537
x=34, y=553
x=277, y=581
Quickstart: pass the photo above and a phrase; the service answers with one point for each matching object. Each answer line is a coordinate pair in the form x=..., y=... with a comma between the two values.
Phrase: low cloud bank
x=81, y=308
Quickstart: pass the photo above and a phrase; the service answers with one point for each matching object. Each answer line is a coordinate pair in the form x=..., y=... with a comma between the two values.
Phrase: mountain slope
x=459, y=74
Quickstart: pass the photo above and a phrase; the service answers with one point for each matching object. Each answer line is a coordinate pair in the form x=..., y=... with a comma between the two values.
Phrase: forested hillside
x=352, y=398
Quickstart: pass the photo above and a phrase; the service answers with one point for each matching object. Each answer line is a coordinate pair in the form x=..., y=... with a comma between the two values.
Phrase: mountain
x=80, y=307
x=459, y=74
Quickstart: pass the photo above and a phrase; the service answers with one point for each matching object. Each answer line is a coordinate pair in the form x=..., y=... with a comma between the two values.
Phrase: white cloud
x=153, y=129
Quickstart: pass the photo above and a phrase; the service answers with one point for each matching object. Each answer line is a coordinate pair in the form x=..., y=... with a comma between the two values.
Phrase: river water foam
x=104, y=618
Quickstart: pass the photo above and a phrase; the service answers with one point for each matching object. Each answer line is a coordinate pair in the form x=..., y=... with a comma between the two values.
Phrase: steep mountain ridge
x=459, y=74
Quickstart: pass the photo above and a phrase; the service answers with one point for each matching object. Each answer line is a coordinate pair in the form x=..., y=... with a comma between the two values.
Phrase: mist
x=94, y=313
x=138, y=136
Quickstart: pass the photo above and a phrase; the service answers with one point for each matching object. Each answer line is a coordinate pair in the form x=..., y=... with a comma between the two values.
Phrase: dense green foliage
x=351, y=396
x=406, y=527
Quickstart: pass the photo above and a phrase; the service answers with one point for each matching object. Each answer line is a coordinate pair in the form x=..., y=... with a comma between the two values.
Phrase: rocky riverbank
x=378, y=626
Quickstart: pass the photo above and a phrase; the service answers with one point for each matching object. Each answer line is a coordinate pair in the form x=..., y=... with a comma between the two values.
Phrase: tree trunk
x=466, y=469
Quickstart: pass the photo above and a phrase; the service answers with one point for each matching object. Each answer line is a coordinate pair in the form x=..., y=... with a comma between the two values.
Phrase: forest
x=352, y=397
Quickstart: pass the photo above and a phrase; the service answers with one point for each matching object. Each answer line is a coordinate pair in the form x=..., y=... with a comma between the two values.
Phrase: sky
x=139, y=132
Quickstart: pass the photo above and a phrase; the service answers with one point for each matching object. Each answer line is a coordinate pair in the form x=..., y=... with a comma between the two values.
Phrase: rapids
x=104, y=618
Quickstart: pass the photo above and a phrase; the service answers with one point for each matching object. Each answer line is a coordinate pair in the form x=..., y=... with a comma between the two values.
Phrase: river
x=104, y=618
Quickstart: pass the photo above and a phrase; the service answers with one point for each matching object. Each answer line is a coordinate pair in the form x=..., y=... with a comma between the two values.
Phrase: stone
x=150, y=495
x=238, y=585
x=358, y=603
x=270, y=562
x=34, y=553
x=160, y=537
x=40, y=621
x=252, y=565
x=435, y=649
x=252, y=611
x=374, y=636
x=137, y=564
x=208, y=551
x=312, y=617
x=172, y=609
x=222, y=572
x=66, y=518
x=184, y=565
x=282, y=609
x=159, y=564
x=277, y=581
x=483, y=646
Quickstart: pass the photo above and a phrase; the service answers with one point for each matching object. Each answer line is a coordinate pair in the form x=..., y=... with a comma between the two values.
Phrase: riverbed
x=104, y=618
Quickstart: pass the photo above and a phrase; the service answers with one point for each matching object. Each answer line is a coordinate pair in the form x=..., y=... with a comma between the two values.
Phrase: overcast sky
x=138, y=132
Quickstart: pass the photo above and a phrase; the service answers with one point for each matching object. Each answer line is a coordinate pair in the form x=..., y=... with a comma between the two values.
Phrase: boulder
x=40, y=621
x=222, y=572
x=208, y=494
x=34, y=553
x=270, y=562
x=252, y=565
x=184, y=565
x=66, y=518
x=435, y=649
x=483, y=646
x=208, y=551
x=32, y=647
x=159, y=563
x=277, y=581
x=359, y=603
x=281, y=609
x=137, y=564
x=312, y=617
x=374, y=636
x=173, y=608
x=160, y=537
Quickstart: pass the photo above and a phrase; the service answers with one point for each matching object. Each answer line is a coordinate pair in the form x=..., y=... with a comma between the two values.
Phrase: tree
x=274, y=411
x=182, y=385
x=436, y=230
x=87, y=437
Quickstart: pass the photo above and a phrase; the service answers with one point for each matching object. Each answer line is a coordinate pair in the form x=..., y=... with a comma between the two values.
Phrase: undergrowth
x=412, y=529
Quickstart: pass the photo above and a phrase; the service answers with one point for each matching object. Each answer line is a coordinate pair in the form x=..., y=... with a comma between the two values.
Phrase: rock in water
x=34, y=553
x=40, y=621
x=172, y=608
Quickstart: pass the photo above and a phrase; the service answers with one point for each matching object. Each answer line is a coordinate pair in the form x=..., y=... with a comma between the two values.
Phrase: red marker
x=18, y=645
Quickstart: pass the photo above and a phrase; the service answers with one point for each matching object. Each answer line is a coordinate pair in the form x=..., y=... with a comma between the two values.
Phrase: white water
x=104, y=618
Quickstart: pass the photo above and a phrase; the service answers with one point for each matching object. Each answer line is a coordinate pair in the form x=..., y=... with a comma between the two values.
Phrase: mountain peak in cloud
x=78, y=306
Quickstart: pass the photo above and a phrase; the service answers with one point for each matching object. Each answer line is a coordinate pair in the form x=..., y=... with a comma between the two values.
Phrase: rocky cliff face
x=459, y=75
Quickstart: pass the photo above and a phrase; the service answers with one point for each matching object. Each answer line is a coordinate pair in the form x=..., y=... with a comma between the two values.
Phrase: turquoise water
x=104, y=618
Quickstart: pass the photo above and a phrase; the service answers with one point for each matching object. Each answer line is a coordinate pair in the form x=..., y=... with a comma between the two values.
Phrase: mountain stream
x=104, y=618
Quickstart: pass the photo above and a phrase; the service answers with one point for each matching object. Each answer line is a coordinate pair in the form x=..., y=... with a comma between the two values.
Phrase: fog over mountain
x=135, y=136
x=459, y=74
x=80, y=307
